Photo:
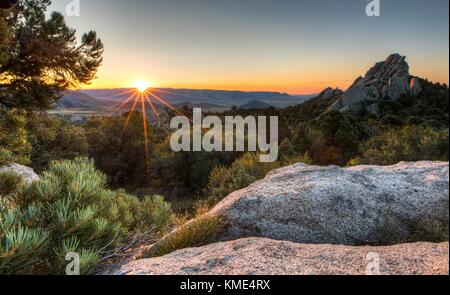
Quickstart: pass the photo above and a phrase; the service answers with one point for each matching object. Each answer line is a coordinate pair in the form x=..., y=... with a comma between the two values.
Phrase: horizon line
x=203, y=89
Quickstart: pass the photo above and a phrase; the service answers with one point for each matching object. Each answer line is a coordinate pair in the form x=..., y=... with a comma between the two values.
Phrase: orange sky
x=293, y=46
x=312, y=78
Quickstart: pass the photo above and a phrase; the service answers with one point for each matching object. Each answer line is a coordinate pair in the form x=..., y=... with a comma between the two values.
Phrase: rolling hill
x=255, y=104
x=80, y=100
x=216, y=97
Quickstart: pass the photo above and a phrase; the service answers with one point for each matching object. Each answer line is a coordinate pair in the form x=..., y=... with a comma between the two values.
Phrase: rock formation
x=362, y=205
x=329, y=93
x=415, y=87
x=387, y=80
x=258, y=256
x=28, y=175
x=352, y=206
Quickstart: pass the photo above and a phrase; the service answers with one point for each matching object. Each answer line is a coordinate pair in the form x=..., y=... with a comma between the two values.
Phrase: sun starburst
x=142, y=85
x=145, y=98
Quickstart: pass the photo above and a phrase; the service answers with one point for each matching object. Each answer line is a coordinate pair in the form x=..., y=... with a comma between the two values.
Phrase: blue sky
x=282, y=45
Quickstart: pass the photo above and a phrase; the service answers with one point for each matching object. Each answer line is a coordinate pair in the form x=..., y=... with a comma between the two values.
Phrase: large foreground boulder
x=28, y=174
x=362, y=205
x=258, y=256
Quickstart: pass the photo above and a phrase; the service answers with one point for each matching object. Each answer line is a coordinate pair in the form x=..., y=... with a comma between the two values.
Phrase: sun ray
x=151, y=105
x=144, y=120
x=167, y=104
x=130, y=114
x=169, y=92
x=141, y=86
x=116, y=109
x=143, y=94
x=118, y=94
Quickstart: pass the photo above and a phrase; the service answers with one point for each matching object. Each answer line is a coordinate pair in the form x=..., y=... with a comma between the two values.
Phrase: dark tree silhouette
x=40, y=56
x=7, y=4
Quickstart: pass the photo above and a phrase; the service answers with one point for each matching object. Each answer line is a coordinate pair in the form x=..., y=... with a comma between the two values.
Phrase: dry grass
x=195, y=233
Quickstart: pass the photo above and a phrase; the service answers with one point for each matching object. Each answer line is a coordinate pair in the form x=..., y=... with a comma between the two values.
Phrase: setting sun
x=142, y=85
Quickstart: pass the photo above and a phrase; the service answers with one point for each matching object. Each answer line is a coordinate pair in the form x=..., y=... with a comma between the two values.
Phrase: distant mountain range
x=255, y=104
x=198, y=105
x=80, y=100
x=206, y=99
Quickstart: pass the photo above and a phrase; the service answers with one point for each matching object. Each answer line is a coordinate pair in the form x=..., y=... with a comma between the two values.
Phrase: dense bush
x=9, y=183
x=409, y=143
x=120, y=153
x=70, y=210
x=431, y=105
x=52, y=139
x=4, y=38
x=332, y=138
x=245, y=170
x=14, y=146
x=118, y=149
x=192, y=170
x=391, y=120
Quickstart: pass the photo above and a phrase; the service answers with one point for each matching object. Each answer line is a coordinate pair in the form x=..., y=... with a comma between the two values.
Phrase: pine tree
x=69, y=210
x=4, y=36
x=14, y=145
x=7, y=4
x=41, y=56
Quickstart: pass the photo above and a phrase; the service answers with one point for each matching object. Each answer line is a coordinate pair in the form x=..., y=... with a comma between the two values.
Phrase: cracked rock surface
x=259, y=256
x=361, y=205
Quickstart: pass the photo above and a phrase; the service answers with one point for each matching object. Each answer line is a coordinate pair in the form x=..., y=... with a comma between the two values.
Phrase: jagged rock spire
x=386, y=79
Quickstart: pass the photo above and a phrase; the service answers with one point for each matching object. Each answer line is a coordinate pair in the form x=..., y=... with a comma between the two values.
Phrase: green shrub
x=53, y=139
x=432, y=123
x=14, y=146
x=6, y=157
x=9, y=183
x=413, y=120
x=410, y=143
x=155, y=213
x=391, y=120
x=71, y=210
x=297, y=158
x=243, y=172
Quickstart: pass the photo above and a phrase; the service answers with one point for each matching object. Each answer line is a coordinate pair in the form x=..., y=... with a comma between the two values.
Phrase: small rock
x=28, y=174
x=327, y=93
x=397, y=87
x=371, y=92
x=374, y=109
x=415, y=87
